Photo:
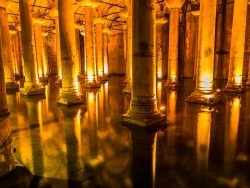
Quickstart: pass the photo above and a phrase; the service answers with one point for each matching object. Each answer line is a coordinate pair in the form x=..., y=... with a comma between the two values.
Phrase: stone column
x=45, y=55
x=105, y=50
x=7, y=53
x=174, y=9
x=39, y=46
x=204, y=92
x=99, y=48
x=128, y=15
x=91, y=80
x=14, y=48
x=69, y=93
x=159, y=43
x=196, y=45
x=248, y=76
x=58, y=44
x=143, y=109
x=31, y=86
x=235, y=73
x=77, y=36
x=7, y=162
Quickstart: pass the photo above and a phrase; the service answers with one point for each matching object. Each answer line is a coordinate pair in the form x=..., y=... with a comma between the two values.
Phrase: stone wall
x=51, y=52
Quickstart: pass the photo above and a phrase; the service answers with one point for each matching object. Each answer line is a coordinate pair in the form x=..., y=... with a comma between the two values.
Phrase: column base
x=43, y=79
x=234, y=89
x=172, y=85
x=12, y=86
x=58, y=81
x=32, y=90
x=144, y=123
x=91, y=85
x=127, y=88
x=103, y=78
x=18, y=77
x=199, y=97
x=69, y=99
x=7, y=160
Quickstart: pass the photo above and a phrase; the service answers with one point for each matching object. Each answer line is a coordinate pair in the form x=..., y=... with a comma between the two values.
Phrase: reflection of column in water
x=231, y=132
x=94, y=158
x=73, y=160
x=143, y=158
x=35, y=118
x=102, y=129
x=204, y=120
x=243, y=145
x=171, y=106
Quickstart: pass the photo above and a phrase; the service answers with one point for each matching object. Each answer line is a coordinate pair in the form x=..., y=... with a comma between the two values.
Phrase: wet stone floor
x=86, y=145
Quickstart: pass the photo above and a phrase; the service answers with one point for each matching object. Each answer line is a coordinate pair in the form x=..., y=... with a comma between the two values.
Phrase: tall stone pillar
x=248, y=75
x=69, y=93
x=14, y=48
x=77, y=36
x=45, y=55
x=7, y=53
x=91, y=80
x=143, y=108
x=128, y=16
x=7, y=162
x=204, y=92
x=196, y=45
x=159, y=44
x=99, y=48
x=105, y=50
x=31, y=86
x=174, y=8
x=39, y=46
x=235, y=73
x=58, y=43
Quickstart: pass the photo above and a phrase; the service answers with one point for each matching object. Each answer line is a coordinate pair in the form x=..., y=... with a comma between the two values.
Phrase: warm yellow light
x=173, y=77
x=159, y=74
x=90, y=97
x=159, y=85
x=90, y=77
x=238, y=79
x=105, y=68
x=100, y=73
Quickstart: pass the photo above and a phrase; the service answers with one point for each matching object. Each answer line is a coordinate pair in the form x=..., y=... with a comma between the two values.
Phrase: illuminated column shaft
x=204, y=92
x=159, y=45
x=58, y=48
x=20, y=57
x=173, y=47
x=196, y=45
x=7, y=53
x=77, y=35
x=6, y=151
x=45, y=55
x=105, y=52
x=39, y=48
x=68, y=54
x=28, y=43
x=248, y=76
x=91, y=80
x=99, y=47
x=14, y=50
x=128, y=86
x=143, y=109
x=235, y=73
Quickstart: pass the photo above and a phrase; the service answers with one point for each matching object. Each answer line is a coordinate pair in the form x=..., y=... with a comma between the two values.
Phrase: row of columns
x=143, y=110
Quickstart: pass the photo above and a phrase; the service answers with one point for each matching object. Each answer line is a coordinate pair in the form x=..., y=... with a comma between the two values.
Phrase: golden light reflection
x=90, y=77
x=159, y=73
x=204, y=120
x=173, y=77
x=171, y=101
x=105, y=67
x=77, y=123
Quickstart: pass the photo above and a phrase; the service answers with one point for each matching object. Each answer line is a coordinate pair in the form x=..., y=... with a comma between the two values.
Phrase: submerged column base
x=103, y=78
x=58, y=81
x=172, y=84
x=12, y=86
x=144, y=123
x=7, y=160
x=69, y=98
x=234, y=88
x=207, y=98
x=32, y=90
x=43, y=79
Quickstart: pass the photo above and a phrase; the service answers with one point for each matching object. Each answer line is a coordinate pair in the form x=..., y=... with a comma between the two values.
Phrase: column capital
x=4, y=3
x=54, y=12
x=174, y=3
x=161, y=20
x=37, y=19
x=12, y=31
x=106, y=30
x=124, y=14
x=99, y=21
x=78, y=25
x=90, y=3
